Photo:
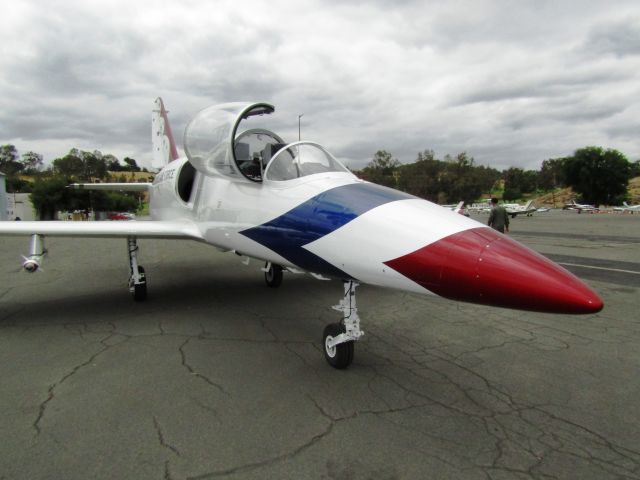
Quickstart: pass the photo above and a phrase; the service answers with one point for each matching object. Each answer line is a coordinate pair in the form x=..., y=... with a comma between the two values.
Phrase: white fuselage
x=222, y=209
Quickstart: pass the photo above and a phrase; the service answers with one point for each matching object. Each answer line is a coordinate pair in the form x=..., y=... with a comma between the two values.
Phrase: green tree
x=599, y=176
x=49, y=195
x=422, y=177
x=113, y=164
x=381, y=169
x=9, y=164
x=70, y=166
x=518, y=182
x=17, y=185
x=552, y=174
x=32, y=162
x=81, y=165
x=123, y=202
x=459, y=181
x=132, y=166
x=94, y=166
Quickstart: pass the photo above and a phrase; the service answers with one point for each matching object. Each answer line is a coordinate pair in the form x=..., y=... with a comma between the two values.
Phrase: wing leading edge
x=182, y=229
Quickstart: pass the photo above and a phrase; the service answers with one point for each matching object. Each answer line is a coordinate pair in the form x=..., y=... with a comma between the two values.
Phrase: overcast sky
x=512, y=83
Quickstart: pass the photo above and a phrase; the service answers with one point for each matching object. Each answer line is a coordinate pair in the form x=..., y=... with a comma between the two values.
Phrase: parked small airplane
x=243, y=189
x=514, y=209
x=572, y=205
x=627, y=208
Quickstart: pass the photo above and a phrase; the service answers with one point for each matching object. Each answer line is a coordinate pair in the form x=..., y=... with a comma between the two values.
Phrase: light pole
x=299, y=117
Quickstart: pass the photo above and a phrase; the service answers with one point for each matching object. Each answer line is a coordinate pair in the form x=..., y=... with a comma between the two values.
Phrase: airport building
x=14, y=205
x=4, y=208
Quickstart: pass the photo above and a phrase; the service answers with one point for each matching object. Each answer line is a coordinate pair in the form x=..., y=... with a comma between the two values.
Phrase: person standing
x=498, y=218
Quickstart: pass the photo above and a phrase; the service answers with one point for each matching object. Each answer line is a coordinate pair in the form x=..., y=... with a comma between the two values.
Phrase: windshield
x=301, y=159
x=253, y=149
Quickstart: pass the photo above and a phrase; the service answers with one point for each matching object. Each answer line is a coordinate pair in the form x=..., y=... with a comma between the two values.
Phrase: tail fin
x=459, y=207
x=625, y=204
x=164, y=146
x=529, y=205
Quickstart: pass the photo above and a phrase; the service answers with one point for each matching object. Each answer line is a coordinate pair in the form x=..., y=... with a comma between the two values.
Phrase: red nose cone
x=483, y=266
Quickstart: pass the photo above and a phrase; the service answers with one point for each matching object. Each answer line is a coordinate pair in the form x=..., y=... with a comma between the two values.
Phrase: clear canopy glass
x=209, y=139
x=300, y=159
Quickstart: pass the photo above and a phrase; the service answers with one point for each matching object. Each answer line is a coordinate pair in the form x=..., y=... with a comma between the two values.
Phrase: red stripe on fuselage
x=483, y=266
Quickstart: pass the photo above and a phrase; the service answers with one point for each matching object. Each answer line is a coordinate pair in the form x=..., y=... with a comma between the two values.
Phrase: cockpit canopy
x=216, y=145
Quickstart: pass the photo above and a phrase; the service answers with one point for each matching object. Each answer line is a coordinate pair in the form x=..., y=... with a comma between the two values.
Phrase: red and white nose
x=480, y=265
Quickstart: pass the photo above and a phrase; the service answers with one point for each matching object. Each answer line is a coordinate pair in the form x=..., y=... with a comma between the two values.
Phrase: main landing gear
x=338, y=338
x=272, y=274
x=138, y=279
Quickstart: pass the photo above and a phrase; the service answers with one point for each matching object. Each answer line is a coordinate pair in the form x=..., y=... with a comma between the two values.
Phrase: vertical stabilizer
x=529, y=205
x=164, y=146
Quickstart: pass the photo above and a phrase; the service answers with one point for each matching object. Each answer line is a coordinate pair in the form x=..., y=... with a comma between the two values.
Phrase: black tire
x=341, y=355
x=273, y=276
x=140, y=290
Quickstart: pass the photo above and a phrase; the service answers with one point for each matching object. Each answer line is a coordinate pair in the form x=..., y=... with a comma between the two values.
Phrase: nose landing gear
x=338, y=338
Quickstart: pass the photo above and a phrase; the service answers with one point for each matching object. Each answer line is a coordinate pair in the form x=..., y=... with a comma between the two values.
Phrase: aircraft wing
x=177, y=229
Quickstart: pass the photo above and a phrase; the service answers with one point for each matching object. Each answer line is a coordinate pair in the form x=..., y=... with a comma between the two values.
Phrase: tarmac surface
x=218, y=376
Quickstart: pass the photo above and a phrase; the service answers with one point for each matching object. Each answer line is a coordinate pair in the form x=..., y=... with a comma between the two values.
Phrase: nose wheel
x=338, y=355
x=338, y=338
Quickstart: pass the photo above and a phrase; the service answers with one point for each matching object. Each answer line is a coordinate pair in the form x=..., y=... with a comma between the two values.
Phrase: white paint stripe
x=598, y=268
x=386, y=232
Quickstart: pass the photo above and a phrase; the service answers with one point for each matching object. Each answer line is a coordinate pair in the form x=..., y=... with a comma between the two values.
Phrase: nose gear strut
x=338, y=338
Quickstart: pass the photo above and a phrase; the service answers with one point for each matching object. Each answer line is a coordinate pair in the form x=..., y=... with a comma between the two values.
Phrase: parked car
x=121, y=216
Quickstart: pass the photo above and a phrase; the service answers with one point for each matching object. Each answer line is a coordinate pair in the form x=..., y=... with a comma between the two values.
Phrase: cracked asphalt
x=218, y=376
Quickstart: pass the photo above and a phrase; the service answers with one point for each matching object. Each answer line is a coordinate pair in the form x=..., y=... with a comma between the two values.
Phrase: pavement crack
x=279, y=458
x=167, y=471
x=163, y=442
x=51, y=390
x=191, y=370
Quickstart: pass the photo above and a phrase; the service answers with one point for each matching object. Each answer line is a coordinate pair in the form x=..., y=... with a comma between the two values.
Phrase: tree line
x=597, y=175
x=48, y=185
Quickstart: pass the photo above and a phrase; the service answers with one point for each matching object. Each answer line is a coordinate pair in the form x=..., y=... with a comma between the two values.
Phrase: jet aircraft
x=242, y=188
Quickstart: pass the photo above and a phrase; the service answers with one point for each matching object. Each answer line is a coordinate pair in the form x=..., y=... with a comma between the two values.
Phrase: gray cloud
x=510, y=83
x=619, y=38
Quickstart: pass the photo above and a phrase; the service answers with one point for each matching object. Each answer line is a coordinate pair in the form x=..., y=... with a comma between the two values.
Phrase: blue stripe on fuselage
x=317, y=217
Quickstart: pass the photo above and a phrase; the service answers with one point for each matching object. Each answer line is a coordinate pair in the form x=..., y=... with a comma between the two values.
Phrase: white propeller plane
x=580, y=207
x=243, y=189
x=627, y=208
x=515, y=209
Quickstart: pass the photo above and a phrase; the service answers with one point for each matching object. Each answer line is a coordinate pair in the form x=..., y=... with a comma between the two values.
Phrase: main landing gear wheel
x=339, y=356
x=273, y=275
x=139, y=290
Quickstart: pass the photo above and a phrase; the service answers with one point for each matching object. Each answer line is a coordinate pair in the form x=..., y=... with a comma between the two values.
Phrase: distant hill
x=559, y=198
